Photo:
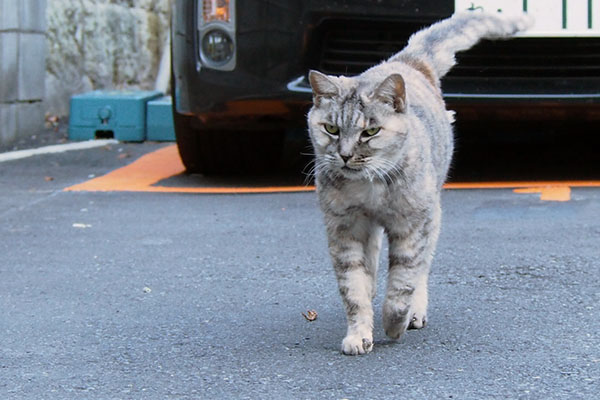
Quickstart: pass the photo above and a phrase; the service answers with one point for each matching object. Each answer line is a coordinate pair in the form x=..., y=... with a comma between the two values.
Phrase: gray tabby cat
x=383, y=144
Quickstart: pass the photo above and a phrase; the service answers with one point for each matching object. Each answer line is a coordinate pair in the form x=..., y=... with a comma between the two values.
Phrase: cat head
x=357, y=126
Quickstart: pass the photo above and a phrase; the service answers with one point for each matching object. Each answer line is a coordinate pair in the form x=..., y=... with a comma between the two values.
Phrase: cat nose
x=346, y=157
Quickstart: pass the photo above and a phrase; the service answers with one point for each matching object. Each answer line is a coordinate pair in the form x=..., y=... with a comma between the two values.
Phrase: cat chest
x=372, y=200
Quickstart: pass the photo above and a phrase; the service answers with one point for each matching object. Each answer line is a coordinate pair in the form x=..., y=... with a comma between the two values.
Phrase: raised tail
x=438, y=44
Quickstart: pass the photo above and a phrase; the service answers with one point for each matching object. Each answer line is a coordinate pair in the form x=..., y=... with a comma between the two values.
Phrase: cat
x=383, y=143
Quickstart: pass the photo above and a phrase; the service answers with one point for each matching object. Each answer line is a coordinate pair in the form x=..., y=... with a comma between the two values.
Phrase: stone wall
x=22, y=53
x=102, y=44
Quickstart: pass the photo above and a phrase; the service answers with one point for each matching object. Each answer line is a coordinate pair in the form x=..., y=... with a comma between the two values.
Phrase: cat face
x=358, y=130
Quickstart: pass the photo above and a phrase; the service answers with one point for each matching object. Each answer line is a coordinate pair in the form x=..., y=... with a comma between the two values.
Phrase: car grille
x=531, y=58
x=349, y=48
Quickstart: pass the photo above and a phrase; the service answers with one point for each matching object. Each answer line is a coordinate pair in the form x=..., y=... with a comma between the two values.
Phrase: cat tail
x=437, y=44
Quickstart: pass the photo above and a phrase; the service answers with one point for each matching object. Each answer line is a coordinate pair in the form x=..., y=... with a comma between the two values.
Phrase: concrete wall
x=22, y=67
x=52, y=49
x=102, y=44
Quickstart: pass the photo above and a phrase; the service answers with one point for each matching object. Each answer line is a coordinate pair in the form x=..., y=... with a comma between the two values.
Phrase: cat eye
x=332, y=129
x=370, y=131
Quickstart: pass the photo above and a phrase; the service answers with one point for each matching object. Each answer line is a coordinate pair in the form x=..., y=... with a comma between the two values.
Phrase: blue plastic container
x=159, y=120
x=110, y=114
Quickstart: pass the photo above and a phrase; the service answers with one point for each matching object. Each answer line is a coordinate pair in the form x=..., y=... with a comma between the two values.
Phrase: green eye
x=371, y=131
x=332, y=129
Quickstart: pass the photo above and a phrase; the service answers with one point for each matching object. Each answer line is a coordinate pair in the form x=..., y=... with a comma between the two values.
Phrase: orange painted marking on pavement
x=137, y=176
x=520, y=184
x=143, y=174
x=549, y=193
x=549, y=190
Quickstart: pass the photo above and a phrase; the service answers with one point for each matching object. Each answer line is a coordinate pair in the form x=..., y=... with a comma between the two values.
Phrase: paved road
x=177, y=296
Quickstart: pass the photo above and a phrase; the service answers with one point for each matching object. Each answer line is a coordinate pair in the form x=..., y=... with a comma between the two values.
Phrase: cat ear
x=322, y=85
x=392, y=91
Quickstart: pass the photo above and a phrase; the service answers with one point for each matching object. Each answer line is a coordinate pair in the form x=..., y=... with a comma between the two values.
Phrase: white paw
x=356, y=344
x=418, y=321
x=418, y=311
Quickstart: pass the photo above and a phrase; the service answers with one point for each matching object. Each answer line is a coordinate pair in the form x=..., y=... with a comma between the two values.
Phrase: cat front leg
x=355, y=285
x=352, y=255
x=410, y=254
x=372, y=251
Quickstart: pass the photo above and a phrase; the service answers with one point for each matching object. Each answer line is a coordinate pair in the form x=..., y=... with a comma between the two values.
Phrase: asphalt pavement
x=122, y=295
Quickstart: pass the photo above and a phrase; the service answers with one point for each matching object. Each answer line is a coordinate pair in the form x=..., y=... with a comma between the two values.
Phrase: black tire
x=226, y=151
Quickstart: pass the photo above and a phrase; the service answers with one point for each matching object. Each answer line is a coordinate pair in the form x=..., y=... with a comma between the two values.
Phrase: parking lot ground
x=169, y=295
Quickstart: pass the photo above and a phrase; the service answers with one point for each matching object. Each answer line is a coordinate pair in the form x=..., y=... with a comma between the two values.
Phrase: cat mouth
x=351, y=172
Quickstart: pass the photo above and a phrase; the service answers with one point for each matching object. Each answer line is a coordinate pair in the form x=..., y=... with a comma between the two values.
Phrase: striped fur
x=383, y=144
x=438, y=44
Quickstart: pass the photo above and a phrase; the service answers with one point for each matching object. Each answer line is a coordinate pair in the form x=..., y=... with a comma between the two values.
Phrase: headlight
x=216, y=30
x=217, y=47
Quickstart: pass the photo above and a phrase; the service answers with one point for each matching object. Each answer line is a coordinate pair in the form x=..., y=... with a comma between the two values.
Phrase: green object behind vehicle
x=159, y=120
x=110, y=114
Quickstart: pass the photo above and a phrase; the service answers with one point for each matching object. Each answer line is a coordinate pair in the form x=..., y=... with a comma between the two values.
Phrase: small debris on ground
x=52, y=122
x=310, y=315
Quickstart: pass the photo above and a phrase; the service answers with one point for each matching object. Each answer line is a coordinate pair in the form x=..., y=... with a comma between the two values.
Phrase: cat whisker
x=382, y=176
x=311, y=166
x=317, y=166
x=391, y=170
x=368, y=173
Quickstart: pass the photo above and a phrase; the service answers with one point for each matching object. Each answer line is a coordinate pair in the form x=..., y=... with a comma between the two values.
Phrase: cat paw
x=417, y=321
x=354, y=345
x=418, y=310
x=395, y=321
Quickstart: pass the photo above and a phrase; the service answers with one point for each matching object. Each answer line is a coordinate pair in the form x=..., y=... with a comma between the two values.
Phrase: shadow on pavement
x=506, y=152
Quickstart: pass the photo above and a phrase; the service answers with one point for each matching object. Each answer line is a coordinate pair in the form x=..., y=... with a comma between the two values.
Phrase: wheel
x=226, y=151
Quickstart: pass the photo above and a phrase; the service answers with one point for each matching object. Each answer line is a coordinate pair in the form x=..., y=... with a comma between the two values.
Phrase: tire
x=214, y=152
